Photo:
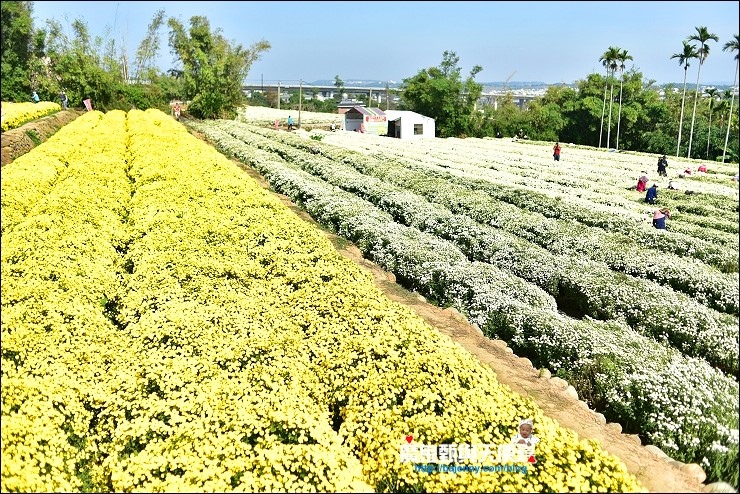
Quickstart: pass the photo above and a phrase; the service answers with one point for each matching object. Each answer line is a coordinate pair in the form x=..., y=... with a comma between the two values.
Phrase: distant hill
x=488, y=86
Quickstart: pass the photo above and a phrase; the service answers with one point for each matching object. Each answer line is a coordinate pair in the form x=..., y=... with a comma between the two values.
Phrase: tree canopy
x=213, y=69
x=16, y=49
x=440, y=93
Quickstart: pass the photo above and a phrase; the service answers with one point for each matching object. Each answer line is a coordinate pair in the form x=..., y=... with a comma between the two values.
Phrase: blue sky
x=530, y=41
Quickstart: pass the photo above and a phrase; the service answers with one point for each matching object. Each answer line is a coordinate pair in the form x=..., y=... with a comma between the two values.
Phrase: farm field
x=557, y=259
x=169, y=325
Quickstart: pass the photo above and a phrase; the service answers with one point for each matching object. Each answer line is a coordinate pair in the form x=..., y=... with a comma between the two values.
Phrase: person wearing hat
x=652, y=194
x=642, y=182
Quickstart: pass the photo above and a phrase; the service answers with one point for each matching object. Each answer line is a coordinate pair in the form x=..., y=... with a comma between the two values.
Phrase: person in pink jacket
x=659, y=217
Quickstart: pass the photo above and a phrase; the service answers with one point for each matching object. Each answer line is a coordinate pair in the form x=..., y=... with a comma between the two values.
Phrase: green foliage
x=440, y=93
x=16, y=50
x=34, y=137
x=213, y=69
x=339, y=84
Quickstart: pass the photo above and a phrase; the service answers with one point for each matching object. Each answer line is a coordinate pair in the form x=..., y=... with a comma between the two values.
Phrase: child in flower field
x=525, y=435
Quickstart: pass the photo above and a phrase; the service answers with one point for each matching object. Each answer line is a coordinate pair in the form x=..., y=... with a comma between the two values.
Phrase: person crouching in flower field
x=525, y=435
x=652, y=194
x=659, y=217
x=642, y=182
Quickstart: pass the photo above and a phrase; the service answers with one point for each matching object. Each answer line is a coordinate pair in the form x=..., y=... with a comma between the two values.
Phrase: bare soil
x=17, y=142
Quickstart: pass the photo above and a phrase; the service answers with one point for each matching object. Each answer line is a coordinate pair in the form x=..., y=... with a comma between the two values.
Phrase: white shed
x=366, y=120
x=409, y=124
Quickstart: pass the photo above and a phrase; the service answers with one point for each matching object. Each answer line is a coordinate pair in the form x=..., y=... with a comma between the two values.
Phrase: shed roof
x=371, y=112
x=396, y=114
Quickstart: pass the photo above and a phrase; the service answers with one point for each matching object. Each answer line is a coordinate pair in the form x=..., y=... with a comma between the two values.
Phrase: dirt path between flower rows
x=656, y=473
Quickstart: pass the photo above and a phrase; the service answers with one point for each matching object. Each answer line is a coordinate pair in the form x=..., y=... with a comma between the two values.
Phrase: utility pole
x=278, y=95
x=300, y=101
x=387, y=97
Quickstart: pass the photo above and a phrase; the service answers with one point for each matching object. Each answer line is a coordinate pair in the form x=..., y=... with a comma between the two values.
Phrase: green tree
x=732, y=45
x=702, y=36
x=621, y=59
x=339, y=84
x=149, y=49
x=84, y=66
x=688, y=54
x=712, y=93
x=15, y=50
x=213, y=69
x=545, y=120
x=440, y=93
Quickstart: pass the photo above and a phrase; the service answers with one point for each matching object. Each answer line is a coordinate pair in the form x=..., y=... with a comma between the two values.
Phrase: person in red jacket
x=556, y=151
x=642, y=182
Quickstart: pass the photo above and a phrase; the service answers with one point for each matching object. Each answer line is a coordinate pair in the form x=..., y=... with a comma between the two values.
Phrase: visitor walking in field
x=652, y=194
x=35, y=97
x=290, y=122
x=64, y=100
x=556, y=151
x=659, y=217
x=662, y=165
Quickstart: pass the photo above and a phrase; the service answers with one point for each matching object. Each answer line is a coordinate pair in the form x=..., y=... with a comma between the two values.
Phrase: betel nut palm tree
x=732, y=45
x=712, y=93
x=702, y=36
x=623, y=57
x=688, y=54
x=614, y=57
x=605, y=63
x=608, y=61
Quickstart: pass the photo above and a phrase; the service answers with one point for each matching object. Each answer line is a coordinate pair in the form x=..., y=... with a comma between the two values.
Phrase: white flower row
x=593, y=202
x=598, y=291
x=618, y=251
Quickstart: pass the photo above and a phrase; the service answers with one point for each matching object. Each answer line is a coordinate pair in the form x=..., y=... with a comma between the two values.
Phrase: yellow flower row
x=57, y=265
x=33, y=175
x=230, y=347
x=16, y=114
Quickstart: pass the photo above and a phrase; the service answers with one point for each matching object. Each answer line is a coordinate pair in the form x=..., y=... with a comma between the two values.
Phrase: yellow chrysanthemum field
x=168, y=325
x=16, y=114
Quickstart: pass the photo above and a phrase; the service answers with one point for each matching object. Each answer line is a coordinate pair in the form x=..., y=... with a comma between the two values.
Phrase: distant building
x=409, y=125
